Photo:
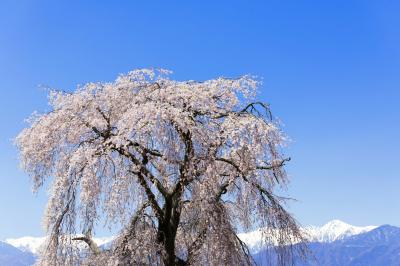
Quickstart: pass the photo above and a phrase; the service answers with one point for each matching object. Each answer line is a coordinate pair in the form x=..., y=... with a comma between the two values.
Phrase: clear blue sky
x=331, y=73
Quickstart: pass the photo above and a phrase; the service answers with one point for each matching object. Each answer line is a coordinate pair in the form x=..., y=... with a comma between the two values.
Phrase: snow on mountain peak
x=27, y=243
x=33, y=244
x=336, y=223
x=331, y=231
x=334, y=230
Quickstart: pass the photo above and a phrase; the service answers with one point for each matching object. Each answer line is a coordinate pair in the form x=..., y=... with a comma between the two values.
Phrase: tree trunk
x=167, y=232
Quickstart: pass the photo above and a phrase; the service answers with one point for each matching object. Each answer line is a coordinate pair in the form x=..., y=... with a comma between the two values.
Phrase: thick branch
x=89, y=241
x=150, y=195
x=144, y=150
x=143, y=169
x=189, y=154
x=141, y=174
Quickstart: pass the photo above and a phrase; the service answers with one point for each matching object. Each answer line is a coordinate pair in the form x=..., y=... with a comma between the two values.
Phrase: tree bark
x=167, y=232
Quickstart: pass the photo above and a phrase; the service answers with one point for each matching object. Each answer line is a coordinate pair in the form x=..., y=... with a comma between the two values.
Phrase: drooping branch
x=200, y=238
x=138, y=214
x=57, y=225
x=131, y=231
x=245, y=250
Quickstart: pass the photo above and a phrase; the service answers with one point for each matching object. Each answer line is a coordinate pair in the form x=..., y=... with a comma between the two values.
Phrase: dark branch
x=150, y=195
x=274, y=166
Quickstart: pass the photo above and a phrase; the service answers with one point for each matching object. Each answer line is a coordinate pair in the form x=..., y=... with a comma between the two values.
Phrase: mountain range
x=340, y=244
x=331, y=231
x=12, y=256
x=380, y=246
x=333, y=244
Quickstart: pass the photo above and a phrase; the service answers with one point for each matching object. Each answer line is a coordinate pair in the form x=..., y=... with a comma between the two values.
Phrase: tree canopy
x=182, y=165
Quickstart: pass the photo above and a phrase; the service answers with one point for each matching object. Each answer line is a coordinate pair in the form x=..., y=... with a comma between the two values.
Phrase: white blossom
x=181, y=164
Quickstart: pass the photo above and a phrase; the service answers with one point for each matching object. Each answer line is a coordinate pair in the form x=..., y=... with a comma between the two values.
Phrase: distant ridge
x=334, y=244
x=11, y=256
x=33, y=244
x=331, y=231
x=376, y=247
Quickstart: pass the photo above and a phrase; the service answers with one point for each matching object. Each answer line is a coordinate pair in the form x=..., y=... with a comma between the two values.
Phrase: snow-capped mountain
x=33, y=244
x=332, y=231
x=27, y=243
x=378, y=247
x=326, y=242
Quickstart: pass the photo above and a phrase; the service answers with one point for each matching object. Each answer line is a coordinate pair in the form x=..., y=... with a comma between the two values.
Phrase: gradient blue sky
x=330, y=68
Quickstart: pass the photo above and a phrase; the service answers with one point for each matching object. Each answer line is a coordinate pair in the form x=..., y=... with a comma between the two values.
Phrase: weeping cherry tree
x=181, y=165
